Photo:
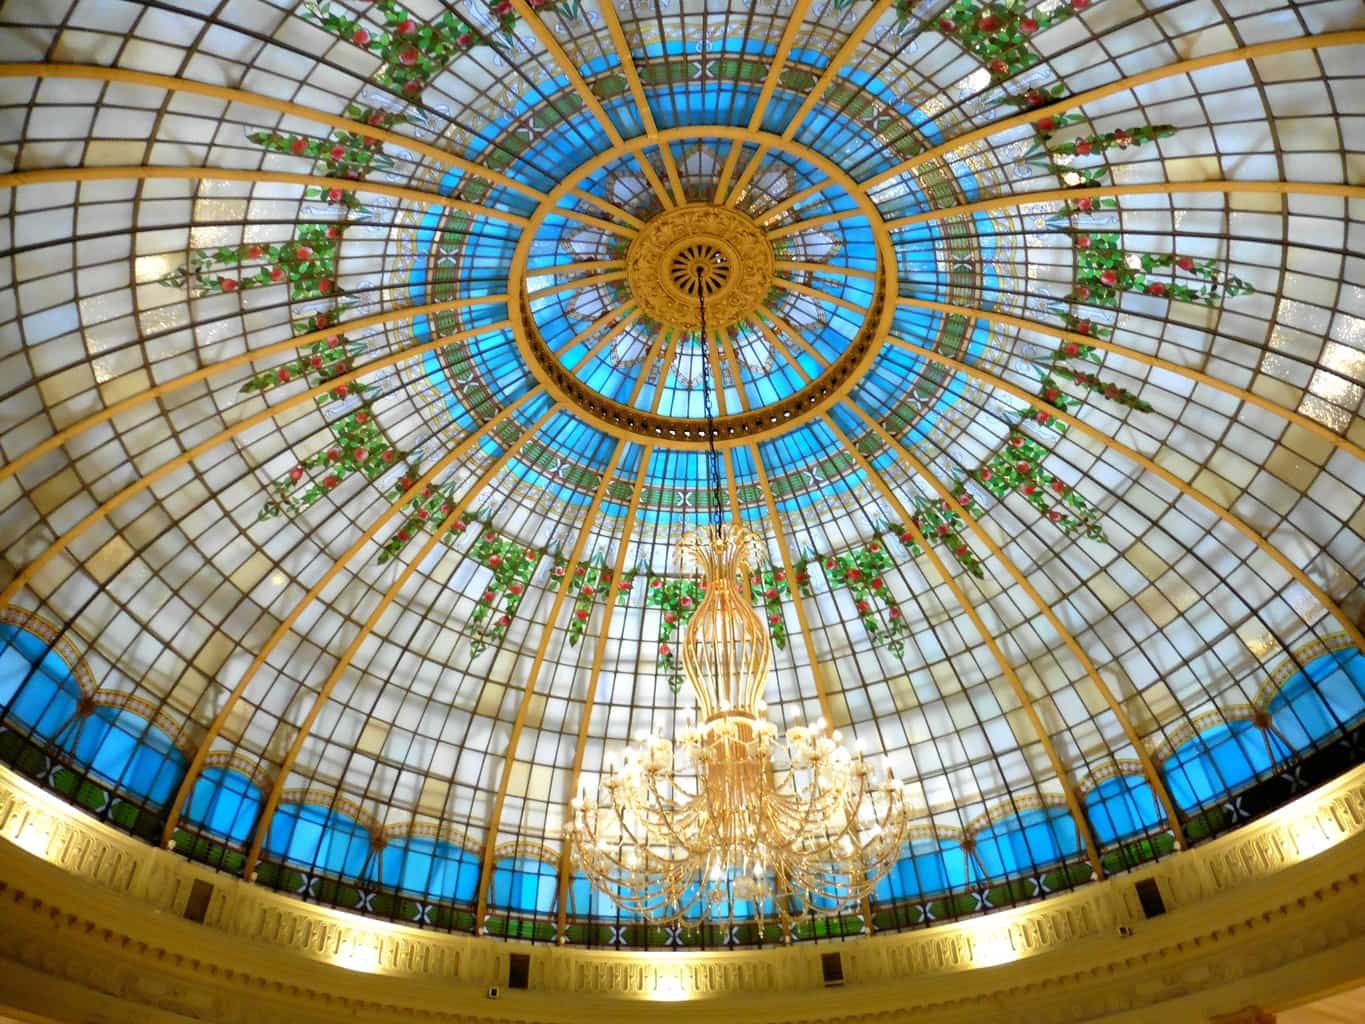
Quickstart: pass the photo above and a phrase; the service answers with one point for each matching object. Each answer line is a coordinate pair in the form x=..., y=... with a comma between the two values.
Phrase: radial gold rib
x=577, y=284
x=573, y=268
x=785, y=554
x=261, y=829
x=797, y=226
x=610, y=227
x=1198, y=376
x=645, y=362
x=726, y=349
x=819, y=296
x=1149, y=769
x=606, y=206
x=637, y=92
x=616, y=331
x=18, y=179
x=1146, y=188
x=713, y=360
x=794, y=334
x=778, y=345
x=817, y=92
x=793, y=200
x=133, y=401
x=825, y=268
x=587, y=332
x=765, y=94
x=61, y=543
x=1236, y=522
x=594, y=674
x=1183, y=67
x=580, y=86
x=670, y=350
x=220, y=719
x=1021, y=694
x=533, y=676
x=97, y=73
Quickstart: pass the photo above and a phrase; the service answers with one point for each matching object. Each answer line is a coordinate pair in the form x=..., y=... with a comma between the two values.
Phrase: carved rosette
x=670, y=243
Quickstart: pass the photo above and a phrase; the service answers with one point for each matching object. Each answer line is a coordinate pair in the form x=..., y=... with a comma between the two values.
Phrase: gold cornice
x=90, y=910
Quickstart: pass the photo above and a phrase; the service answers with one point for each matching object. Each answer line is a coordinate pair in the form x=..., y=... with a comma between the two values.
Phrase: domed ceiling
x=352, y=406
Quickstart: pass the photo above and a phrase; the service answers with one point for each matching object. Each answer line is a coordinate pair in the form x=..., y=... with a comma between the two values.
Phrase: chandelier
x=727, y=820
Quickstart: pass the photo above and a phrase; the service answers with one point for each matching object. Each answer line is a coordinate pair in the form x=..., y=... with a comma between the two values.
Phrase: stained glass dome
x=352, y=407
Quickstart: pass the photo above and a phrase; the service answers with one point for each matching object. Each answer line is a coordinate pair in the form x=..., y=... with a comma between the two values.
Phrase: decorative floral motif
x=1104, y=270
x=591, y=582
x=677, y=599
x=1053, y=395
x=999, y=33
x=432, y=509
x=344, y=154
x=942, y=526
x=322, y=361
x=414, y=52
x=358, y=446
x=306, y=263
x=512, y=565
x=769, y=587
x=1019, y=467
x=860, y=571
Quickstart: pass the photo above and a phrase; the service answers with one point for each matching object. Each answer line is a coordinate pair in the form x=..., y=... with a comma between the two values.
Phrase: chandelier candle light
x=728, y=820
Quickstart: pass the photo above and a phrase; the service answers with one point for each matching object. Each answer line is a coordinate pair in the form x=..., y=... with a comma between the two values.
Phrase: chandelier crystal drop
x=726, y=820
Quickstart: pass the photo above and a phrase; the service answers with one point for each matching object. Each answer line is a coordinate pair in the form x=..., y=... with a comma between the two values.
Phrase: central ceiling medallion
x=734, y=255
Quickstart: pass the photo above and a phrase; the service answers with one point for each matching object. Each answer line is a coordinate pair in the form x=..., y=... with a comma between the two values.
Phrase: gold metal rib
x=272, y=800
x=1184, y=67
x=288, y=345
x=1207, y=380
x=1149, y=769
x=1021, y=694
x=1236, y=522
x=61, y=543
x=533, y=677
x=98, y=73
x=220, y=719
x=594, y=674
x=18, y=179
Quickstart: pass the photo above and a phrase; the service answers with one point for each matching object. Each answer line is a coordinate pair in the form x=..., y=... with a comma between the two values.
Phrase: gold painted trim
x=220, y=719
x=64, y=541
x=1021, y=694
x=261, y=829
x=1124, y=84
x=1154, y=778
x=590, y=516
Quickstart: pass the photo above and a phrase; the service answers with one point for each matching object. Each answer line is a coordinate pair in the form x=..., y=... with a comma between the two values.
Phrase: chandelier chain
x=712, y=455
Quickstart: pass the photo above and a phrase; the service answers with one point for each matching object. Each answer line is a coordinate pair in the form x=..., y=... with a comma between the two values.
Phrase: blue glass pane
x=318, y=838
x=1121, y=807
x=431, y=868
x=523, y=884
x=128, y=753
x=933, y=866
x=1325, y=695
x=36, y=686
x=1026, y=841
x=224, y=803
x=1215, y=764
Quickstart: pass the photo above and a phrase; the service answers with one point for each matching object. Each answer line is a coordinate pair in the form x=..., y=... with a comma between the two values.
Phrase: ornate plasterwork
x=669, y=243
x=99, y=911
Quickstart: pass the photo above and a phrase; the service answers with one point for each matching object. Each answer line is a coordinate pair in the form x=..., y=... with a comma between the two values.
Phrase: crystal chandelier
x=728, y=820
